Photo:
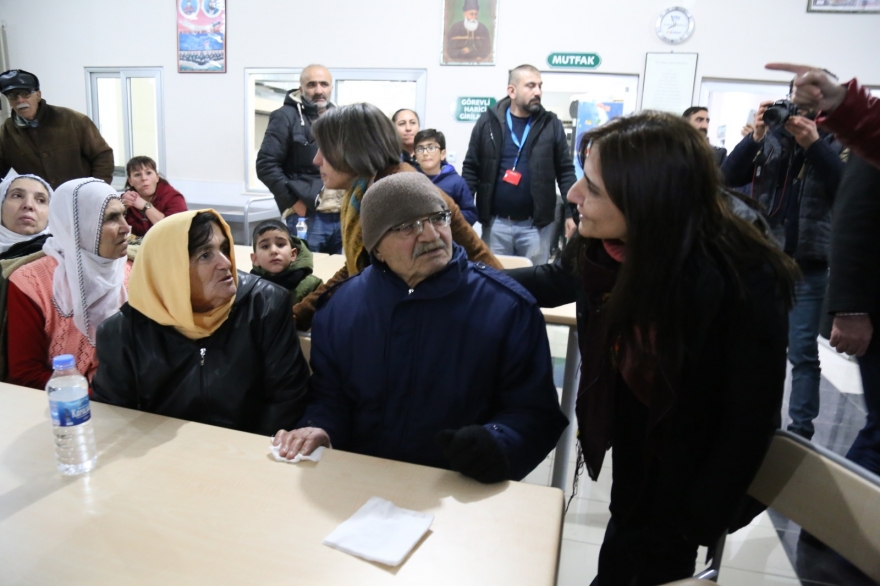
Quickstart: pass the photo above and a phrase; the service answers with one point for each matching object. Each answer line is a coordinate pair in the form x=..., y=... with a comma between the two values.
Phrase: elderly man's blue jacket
x=392, y=366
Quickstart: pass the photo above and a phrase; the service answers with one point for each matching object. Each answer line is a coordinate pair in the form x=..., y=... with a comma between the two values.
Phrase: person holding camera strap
x=794, y=169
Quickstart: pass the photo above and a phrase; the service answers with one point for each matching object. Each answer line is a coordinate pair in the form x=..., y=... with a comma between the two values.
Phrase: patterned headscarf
x=85, y=285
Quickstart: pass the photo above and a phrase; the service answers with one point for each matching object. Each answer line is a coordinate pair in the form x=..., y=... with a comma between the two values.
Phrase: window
x=388, y=89
x=585, y=100
x=733, y=103
x=126, y=106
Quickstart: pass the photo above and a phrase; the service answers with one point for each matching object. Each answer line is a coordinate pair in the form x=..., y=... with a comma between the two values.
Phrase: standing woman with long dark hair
x=683, y=332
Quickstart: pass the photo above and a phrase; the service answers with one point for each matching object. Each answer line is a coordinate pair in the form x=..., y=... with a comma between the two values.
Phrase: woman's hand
x=303, y=440
x=129, y=199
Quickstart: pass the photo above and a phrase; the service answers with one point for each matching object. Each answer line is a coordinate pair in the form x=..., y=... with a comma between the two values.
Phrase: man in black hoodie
x=285, y=165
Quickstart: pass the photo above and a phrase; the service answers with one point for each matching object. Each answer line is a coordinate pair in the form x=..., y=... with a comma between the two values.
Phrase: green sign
x=470, y=109
x=578, y=60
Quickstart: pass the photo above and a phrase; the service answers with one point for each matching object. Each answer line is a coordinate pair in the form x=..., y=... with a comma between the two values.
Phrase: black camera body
x=778, y=114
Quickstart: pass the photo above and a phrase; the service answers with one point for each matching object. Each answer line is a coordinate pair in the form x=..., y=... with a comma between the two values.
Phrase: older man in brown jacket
x=57, y=144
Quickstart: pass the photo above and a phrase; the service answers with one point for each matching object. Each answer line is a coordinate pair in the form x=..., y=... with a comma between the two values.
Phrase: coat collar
x=437, y=285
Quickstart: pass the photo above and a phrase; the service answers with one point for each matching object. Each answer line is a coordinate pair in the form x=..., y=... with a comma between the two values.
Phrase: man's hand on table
x=303, y=440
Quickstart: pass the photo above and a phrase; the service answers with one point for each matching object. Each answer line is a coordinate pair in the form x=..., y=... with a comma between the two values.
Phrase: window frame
x=419, y=76
x=92, y=74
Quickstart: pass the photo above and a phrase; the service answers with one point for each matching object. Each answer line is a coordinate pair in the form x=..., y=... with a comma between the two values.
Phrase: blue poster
x=590, y=115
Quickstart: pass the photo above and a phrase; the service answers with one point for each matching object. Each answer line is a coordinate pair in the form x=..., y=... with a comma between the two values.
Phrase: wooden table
x=175, y=502
x=326, y=266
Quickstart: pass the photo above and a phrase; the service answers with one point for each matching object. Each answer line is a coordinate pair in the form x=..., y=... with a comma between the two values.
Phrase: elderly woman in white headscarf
x=57, y=302
x=24, y=215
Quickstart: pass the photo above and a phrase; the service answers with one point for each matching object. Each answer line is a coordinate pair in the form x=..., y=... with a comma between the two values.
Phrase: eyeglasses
x=16, y=94
x=427, y=149
x=438, y=220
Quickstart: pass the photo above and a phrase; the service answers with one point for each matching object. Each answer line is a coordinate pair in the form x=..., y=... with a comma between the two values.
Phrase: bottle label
x=70, y=413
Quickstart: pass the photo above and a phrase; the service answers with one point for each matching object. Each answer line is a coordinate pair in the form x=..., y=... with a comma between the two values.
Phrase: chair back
x=834, y=499
x=513, y=262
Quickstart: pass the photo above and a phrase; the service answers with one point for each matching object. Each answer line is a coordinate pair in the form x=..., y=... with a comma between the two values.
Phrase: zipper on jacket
x=202, y=352
x=410, y=291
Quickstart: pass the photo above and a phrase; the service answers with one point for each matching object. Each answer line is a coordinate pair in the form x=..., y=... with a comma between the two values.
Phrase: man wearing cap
x=468, y=39
x=55, y=143
x=425, y=357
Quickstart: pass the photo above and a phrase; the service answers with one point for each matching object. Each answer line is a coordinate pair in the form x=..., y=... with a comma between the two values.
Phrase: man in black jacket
x=854, y=293
x=698, y=117
x=285, y=165
x=516, y=155
x=794, y=171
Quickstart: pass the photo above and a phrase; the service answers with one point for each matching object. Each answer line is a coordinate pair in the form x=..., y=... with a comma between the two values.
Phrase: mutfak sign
x=470, y=109
x=577, y=60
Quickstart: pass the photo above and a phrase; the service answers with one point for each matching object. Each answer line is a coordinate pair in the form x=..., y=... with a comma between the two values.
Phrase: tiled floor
x=767, y=552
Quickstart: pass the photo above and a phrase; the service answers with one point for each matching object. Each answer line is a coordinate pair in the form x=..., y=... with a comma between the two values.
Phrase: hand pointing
x=814, y=88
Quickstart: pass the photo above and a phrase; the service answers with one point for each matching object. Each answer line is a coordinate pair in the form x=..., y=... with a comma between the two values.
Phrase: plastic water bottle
x=68, y=391
x=302, y=230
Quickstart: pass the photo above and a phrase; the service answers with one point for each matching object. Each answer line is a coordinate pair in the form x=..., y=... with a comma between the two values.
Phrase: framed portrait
x=469, y=30
x=863, y=6
x=201, y=36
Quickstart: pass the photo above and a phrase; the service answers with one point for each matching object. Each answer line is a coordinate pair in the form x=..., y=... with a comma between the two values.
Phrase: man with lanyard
x=517, y=155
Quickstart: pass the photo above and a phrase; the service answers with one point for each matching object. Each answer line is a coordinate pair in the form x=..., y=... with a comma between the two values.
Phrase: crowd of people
x=690, y=296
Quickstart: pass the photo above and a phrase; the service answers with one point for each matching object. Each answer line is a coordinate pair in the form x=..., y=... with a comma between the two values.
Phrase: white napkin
x=380, y=532
x=314, y=456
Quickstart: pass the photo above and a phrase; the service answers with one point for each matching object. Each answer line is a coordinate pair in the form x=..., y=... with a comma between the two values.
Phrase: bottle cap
x=63, y=362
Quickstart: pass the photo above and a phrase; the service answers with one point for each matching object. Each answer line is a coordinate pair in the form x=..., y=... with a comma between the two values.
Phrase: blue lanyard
x=519, y=143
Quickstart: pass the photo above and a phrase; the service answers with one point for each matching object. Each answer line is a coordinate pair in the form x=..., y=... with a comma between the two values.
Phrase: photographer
x=794, y=169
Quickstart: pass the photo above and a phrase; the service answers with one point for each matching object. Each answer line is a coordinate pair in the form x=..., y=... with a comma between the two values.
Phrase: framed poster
x=201, y=36
x=863, y=6
x=669, y=82
x=469, y=29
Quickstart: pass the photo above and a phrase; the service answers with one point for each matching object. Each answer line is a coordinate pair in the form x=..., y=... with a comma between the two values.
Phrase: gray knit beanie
x=396, y=199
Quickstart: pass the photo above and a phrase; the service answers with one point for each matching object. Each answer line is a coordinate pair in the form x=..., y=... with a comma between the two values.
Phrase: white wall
x=204, y=113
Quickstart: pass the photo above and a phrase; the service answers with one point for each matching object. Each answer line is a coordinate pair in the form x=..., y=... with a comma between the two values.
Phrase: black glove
x=473, y=451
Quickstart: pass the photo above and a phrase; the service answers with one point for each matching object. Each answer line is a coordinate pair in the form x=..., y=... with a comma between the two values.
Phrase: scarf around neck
x=159, y=281
x=8, y=238
x=356, y=259
x=85, y=285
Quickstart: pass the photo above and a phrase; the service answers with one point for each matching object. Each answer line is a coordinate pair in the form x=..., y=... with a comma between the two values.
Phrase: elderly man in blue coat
x=425, y=357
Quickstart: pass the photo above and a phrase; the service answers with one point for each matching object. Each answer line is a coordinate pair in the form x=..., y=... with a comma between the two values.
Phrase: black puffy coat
x=549, y=159
x=284, y=162
x=248, y=375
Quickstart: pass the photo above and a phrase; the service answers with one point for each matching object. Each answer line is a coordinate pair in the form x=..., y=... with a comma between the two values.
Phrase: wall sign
x=577, y=60
x=470, y=109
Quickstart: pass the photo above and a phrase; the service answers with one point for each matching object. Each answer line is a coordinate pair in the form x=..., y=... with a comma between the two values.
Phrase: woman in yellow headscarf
x=198, y=340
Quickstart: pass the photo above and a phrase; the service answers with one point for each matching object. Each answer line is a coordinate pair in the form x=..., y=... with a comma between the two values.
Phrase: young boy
x=430, y=147
x=283, y=259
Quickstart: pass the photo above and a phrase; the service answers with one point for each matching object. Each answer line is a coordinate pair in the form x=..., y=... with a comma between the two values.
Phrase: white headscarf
x=85, y=285
x=8, y=238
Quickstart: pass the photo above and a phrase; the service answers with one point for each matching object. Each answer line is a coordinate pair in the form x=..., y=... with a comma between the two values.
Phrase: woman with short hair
x=358, y=145
x=56, y=303
x=683, y=319
x=199, y=340
x=148, y=197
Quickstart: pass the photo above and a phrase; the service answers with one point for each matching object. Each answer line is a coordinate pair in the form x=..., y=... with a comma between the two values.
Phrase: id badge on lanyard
x=512, y=176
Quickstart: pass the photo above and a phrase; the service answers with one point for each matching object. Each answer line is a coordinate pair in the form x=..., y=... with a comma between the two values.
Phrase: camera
x=779, y=113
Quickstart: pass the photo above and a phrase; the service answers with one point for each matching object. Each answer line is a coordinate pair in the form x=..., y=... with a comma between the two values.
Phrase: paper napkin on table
x=380, y=532
x=314, y=456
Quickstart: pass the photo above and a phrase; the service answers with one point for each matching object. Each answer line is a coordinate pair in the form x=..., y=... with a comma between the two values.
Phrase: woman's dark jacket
x=691, y=476
x=248, y=375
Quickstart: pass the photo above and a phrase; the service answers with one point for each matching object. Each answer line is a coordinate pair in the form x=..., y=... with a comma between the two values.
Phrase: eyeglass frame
x=19, y=92
x=439, y=219
x=429, y=148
